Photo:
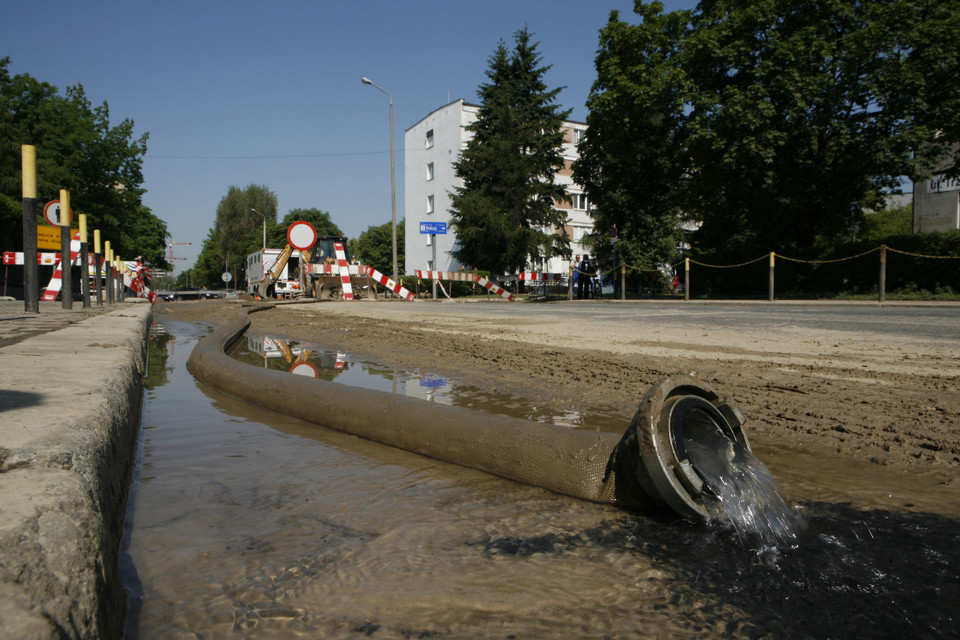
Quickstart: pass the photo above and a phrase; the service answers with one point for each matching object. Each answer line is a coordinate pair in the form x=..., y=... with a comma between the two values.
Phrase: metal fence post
x=883, y=272
x=770, y=292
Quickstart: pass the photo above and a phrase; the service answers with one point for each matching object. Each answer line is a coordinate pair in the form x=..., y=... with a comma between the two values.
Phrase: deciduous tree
x=763, y=121
x=77, y=149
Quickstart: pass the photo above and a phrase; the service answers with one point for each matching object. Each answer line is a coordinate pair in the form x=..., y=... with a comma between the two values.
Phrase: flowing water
x=244, y=523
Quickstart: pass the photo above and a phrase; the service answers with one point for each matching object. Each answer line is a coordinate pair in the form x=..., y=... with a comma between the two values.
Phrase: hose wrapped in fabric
x=641, y=469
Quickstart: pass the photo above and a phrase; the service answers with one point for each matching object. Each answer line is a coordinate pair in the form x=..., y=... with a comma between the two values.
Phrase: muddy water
x=245, y=523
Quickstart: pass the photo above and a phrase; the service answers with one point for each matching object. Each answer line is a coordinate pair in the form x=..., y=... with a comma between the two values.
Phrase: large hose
x=646, y=467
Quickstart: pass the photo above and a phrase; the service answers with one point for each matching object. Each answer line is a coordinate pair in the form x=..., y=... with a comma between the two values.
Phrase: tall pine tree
x=504, y=210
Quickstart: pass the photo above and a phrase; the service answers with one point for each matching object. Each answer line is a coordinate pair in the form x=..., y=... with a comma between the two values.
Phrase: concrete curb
x=69, y=418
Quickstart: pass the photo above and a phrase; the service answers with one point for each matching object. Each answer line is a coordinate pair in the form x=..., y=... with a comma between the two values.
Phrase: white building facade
x=936, y=205
x=431, y=148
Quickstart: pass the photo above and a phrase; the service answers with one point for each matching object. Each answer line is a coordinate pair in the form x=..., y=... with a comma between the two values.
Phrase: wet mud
x=245, y=523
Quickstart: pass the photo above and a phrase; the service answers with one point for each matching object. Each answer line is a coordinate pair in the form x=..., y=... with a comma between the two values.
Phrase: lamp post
x=264, y=227
x=393, y=181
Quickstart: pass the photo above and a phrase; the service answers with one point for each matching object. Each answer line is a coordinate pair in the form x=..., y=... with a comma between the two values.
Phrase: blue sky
x=234, y=93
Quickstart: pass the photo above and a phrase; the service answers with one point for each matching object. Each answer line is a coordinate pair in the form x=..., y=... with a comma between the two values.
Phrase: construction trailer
x=284, y=284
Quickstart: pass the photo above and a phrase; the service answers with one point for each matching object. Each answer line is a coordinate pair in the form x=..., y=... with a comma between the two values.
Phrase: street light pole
x=264, y=227
x=393, y=180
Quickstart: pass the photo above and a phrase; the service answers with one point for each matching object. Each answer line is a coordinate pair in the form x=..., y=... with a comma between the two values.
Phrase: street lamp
x=393, y=181
x=264, y=227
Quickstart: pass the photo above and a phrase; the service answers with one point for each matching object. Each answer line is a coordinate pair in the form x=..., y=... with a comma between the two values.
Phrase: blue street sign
x=439, y=228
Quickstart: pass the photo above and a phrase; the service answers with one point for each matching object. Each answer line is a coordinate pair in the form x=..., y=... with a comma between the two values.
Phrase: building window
x=430, y=204
x=429, y=171
x=429, y=141
x=579, y=135
x=580, y=201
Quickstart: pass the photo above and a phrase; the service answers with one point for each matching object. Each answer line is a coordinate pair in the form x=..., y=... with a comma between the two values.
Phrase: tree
x=79, y=150
x=631, y=161
x=209, y=266
x=374, y=247
x=770, y=118
x=237, y=221
x=504, y=210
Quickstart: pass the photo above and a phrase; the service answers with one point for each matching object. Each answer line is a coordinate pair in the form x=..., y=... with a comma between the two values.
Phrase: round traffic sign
x=304, y=369
x=226, y=276
x=301, y=235
x=51, y=213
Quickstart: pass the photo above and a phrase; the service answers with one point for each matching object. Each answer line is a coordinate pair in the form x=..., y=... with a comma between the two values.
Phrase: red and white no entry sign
x=51, y=212
x=304, y=369
x=301, y=235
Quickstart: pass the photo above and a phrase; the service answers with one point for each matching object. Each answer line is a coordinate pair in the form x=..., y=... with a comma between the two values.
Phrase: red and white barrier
x=466, y=276
x=344, y=270
x=460, y=276
x=12, y=258
x=539, y=277
x=56, y=282
x=500, y=291
x=332, y=269
x=388, y=283
x=134, y=279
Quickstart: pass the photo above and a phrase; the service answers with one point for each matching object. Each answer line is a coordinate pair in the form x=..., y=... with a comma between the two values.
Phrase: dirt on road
x=836, y=417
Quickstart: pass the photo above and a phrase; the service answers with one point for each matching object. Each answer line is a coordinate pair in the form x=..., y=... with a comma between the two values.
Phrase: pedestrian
x=574, y=273
x=583, y=280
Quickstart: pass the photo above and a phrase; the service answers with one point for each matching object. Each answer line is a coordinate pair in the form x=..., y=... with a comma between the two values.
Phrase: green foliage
x=374, y=247
x=210, y=265
x=882, y=224
x=79, y=150
x=237, y=222
x=632, y=161
x=504, y=211
x=918, y=266
x=762, y=122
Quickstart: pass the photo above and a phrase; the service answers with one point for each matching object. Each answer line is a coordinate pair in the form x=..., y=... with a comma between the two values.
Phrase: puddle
x=317, y=361
x=244, y=523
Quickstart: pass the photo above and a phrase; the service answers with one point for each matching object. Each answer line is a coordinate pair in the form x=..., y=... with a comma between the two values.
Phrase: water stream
x=244, y=523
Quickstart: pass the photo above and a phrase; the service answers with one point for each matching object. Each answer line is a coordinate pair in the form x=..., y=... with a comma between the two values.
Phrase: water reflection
x=324, y=363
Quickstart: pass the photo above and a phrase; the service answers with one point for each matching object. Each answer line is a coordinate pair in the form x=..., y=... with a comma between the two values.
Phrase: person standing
x=574, y=272
x=583, y=280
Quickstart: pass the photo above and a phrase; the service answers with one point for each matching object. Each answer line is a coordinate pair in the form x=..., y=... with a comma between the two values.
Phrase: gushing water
x=747, y=492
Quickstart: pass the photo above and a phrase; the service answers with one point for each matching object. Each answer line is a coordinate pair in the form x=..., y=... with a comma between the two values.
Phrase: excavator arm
x=275, y=271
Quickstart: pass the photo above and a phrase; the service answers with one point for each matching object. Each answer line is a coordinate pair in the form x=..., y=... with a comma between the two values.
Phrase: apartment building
x=431, y=147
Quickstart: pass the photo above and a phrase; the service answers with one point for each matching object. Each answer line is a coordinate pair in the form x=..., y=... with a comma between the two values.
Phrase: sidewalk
x=70, y=394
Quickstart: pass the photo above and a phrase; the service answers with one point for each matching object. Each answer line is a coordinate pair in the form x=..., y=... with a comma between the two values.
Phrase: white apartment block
x=432, y=146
